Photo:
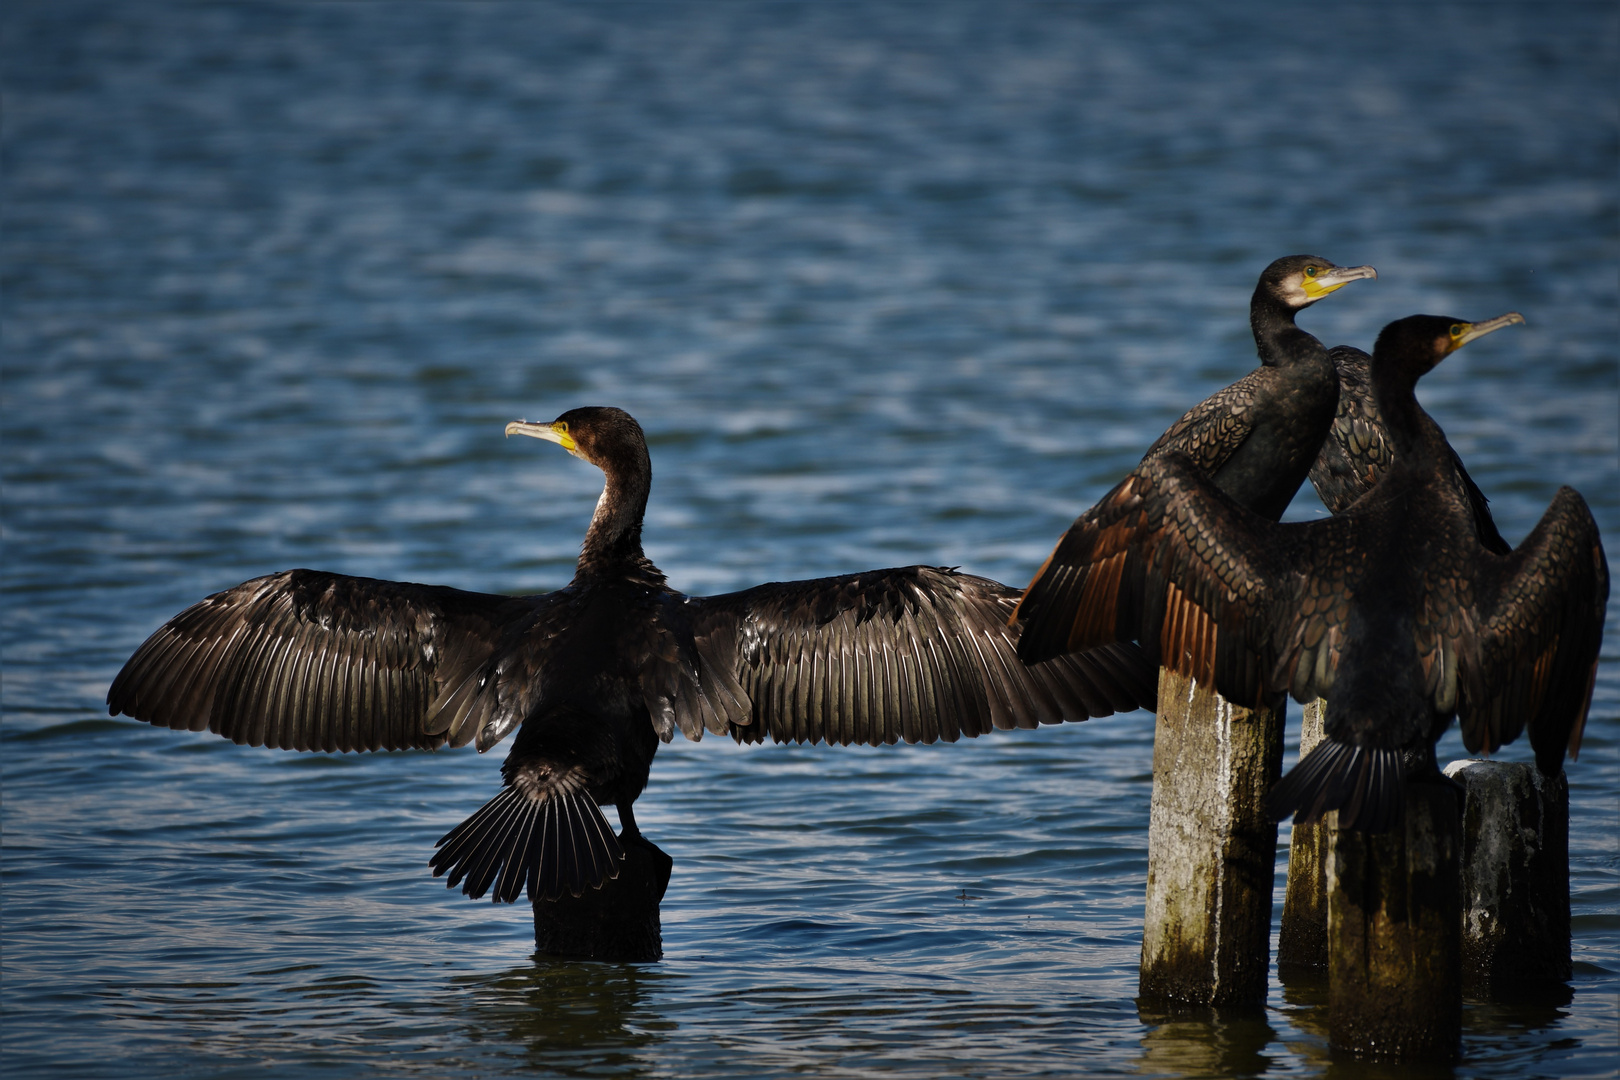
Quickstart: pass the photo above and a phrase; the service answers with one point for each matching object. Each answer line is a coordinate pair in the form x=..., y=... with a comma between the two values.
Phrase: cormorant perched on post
x=1358, y=451
x=1393, y=610
x=594, y=674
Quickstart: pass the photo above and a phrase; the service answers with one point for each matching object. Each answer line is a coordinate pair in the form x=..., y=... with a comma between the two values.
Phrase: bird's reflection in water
x=573, y=1018
x=1204, y=1041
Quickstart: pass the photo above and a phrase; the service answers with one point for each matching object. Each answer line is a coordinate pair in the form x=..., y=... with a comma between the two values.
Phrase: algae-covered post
x=1515, y=879
x=1211, y=848
x=1394, y=931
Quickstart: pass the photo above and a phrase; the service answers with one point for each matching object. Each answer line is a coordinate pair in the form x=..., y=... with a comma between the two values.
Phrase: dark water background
x=885, y=284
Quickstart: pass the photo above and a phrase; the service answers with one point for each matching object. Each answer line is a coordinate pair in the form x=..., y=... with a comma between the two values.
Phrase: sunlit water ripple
x=885, y=284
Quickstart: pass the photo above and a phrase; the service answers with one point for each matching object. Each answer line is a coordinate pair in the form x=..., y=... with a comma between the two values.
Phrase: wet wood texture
x=1302, y=943
x=1515, y=879
x=1211, y=848
x=1394, y=933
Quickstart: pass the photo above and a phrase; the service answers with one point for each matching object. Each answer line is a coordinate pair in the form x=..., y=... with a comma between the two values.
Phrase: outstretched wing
x=1358, y=451
x=914, y=654
x=1539, y=614
x=1210, y=589
x=305, y=660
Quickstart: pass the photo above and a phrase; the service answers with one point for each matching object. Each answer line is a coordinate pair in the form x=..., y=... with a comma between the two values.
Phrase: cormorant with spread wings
x=593, y=675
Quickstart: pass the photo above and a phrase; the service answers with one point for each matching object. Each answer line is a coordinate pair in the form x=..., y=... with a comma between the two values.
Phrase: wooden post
x=617, y=922
x=1302, y=944
x=1212, y=848
x=1515, y=880
x=1394, y=930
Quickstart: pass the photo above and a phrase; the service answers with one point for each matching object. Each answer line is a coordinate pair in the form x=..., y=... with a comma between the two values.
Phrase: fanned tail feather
x=1363, y=784
x=553, y=845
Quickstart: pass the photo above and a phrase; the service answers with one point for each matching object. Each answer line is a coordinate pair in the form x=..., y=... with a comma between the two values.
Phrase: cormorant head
x=1299, y=281
x=1415, y=344
x=606, y=437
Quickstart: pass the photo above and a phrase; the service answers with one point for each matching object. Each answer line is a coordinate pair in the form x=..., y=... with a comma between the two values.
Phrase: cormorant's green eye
x=1458, y=330
x=1310, y=271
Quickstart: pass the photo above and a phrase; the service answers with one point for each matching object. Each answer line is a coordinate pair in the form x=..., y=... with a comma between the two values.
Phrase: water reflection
x=566, y=1017
x=1499, y=1032
x=1204, y=1041
x=1227, y=1042
x=1343, y=1067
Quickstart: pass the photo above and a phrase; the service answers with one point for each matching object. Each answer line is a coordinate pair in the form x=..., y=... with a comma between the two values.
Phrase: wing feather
x=1210, y=432
x=1211, y=590
x=314, y=661
x=1532, y=661
x=918, y=654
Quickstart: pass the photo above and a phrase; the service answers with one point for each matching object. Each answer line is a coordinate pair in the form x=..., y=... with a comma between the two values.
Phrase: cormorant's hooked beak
x=1463, y=333
x=556, y=431
x=1331, y=280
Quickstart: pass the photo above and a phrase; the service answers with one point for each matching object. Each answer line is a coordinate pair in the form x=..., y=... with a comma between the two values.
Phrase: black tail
x=556, y=844
x=1363, y=784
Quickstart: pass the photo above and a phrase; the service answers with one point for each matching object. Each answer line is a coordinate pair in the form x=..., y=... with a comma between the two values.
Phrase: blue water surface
x=884, y=283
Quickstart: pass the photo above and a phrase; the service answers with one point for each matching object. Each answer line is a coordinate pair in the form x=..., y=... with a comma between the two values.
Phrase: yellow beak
x=1335, y=279
x=556, y=432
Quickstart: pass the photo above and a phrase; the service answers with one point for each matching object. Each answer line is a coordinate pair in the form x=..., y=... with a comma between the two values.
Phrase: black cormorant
x=1393, y=610
x=1258, y=437
x=594, y=674
x=1358, y=451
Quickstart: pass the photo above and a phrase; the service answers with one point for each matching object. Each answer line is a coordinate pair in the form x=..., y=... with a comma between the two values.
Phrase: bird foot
x=630, y=835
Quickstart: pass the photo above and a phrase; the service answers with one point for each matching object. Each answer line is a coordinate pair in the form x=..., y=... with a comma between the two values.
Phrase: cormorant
x=1357, y=450
x=1393, y=610
x=594, y=674
x=1258, y=437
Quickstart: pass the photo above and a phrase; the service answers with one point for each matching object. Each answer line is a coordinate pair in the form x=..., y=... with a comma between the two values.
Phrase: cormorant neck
x=1276, y=338
x=613, y=542
x=1395, y=393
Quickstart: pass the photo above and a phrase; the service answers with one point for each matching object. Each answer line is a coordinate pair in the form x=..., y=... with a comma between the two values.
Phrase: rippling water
x=885, y=284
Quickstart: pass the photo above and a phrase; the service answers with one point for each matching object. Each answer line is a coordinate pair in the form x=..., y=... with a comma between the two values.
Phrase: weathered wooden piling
x=1211, y=848
x=617, y=922
x=1302, y=944
x=1515, y=879
x=1394, y=932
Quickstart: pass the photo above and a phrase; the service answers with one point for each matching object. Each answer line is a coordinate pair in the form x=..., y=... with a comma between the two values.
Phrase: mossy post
x=1394, y=932
x=619, y=921
x=1302, y=944
x=1515, y=880
x=1212, y=848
